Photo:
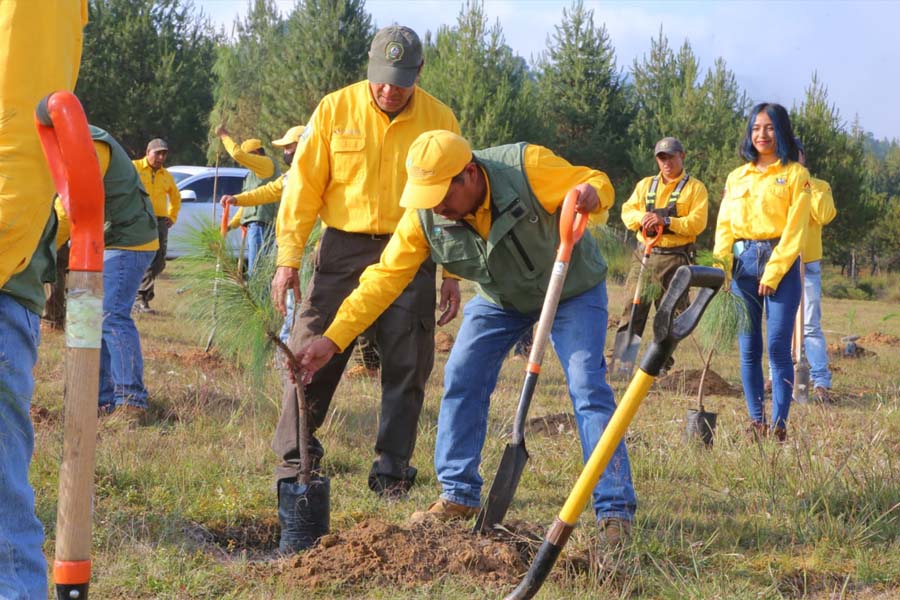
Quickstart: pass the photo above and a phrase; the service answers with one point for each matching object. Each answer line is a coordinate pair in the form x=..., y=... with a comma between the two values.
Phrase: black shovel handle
x=668, y=329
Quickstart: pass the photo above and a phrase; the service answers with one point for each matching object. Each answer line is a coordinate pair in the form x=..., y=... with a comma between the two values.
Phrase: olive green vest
x=512, y=267
x=128, y=213
x=27, y=287
x=263, y=213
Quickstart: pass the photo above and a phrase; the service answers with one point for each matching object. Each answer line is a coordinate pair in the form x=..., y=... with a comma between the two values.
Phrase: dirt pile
x=839, y=351
x=687, y=381
x=884, y=339
x=377, y=552
x=558, y=424
x=443, y=341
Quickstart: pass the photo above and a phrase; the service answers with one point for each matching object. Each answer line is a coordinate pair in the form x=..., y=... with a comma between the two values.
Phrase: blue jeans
x=781, y=309
x=121, y=363
x=813, y=338
x=260, y=237
x=23, y=569
x=485, y=337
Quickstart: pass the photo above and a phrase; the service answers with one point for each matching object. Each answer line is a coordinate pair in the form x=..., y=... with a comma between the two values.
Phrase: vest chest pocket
x=456, y=249
x=348, y=158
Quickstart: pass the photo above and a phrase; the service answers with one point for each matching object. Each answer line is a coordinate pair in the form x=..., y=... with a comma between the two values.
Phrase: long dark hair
x=786, y=145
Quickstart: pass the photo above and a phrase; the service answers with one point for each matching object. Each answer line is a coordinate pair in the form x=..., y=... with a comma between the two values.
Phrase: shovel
x=801, y=365
x=627, y=343
x=667, y=332
x=69, y=150
x=571, y=228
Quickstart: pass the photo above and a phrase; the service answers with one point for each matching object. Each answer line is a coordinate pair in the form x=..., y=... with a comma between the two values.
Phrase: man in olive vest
x=258, y=219
x=130, y=237
x=492, y=217
x=675, y=201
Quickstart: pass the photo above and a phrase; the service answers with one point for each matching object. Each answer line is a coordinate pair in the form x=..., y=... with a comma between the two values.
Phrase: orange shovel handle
x=69, y=149
x=223, y=226
x=649, y=244
x=572, y=224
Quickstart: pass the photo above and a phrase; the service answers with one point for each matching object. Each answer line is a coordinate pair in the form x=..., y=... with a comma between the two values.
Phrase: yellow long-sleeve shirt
x=821, y=213
x=64, y=226
x=763, y=205
x=692, y=208
x=40, y=52
x=260, y=164
x=161, y=188
x=349, y=168
x=550, y=177
x=264, y=194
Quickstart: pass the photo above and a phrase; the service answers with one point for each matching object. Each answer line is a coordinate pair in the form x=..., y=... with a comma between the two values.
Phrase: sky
x=773, y=48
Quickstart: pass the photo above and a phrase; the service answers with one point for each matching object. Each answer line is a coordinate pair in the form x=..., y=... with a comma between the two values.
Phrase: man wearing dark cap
x=166, y=200
x=349, y=171
x=677, y=202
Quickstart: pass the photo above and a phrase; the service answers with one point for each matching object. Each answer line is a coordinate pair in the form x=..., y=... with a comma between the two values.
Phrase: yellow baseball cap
x=291, y=137
x=251, y=145
x=433, y=160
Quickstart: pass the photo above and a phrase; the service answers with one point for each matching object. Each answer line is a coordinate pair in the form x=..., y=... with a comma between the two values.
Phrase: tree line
x=158, y=68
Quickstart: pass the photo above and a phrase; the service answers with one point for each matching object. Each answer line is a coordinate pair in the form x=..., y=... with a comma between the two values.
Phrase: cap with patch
x=251, y=145
x=291, y=137
x=668, y=145
x=157, y=144
x=433, y=160
x=395, y=56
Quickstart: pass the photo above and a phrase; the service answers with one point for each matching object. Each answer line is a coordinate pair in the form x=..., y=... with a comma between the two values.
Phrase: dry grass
x=185, y=506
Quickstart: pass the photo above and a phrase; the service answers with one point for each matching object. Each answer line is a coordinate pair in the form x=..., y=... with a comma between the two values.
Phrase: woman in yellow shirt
x=762, y=225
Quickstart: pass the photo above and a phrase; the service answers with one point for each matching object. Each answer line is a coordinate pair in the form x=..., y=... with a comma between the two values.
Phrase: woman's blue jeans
x=485, y=337
x=781, y=310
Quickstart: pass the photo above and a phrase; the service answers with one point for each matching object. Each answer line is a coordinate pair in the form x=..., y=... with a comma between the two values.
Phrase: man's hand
x=227, y=200
x=313, y=357
x=221, y=131
x=651, y=222
x=286, y=278
x=588, y=200
x=449, y=303
x=169, y=223
x=765, y=290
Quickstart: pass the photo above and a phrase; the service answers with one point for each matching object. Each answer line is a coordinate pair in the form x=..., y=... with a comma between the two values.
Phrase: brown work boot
x=359, y=371
x=126, y=416
x=780, y=433
x=822, y=395
x=614, y=532
x=444, y=510
x=757, y=431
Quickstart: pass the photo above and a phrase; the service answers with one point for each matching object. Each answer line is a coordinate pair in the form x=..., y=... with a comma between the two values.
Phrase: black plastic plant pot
x=701, y=426
x=305, y=513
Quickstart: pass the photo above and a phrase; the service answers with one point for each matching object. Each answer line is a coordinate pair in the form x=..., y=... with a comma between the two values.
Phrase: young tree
x=146, y=71
x=581, y=94
x=472, y=70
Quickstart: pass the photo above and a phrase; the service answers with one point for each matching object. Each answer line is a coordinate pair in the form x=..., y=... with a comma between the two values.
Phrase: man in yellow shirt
x=492, y=217
x=348, y=171
x=40, y=52
x=676, y=202
x=166, y=200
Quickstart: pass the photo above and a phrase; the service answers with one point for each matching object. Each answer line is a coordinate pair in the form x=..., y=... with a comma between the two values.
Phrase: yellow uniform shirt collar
x=751, y=167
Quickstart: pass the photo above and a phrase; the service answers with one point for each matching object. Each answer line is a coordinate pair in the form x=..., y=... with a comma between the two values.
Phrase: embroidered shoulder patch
x=781, y=181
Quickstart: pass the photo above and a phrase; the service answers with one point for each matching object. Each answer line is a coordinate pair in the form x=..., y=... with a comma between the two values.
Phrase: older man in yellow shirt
x=40, y=52
x=166, y=200
x=348, y=171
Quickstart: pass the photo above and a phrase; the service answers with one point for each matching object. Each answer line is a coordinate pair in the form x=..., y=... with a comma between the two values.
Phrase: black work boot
x=390, y=487
x=303, y=512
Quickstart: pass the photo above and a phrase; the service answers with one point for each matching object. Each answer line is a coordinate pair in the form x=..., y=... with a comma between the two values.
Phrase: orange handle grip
x=69, y=150
x=572, y=224
x=649, y=244
x=223, y=226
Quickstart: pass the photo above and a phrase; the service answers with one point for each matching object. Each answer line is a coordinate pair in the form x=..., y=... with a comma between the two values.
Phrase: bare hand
x=765, y=290
x=227, y=200
x=587, y=201
x=449, y=303
x=286, y=278
x=221, y=131
x=314, y=356
x=169, y=223
x=651, y=221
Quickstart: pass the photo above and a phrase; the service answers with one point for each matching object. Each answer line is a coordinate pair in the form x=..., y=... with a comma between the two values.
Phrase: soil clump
x=687, y=381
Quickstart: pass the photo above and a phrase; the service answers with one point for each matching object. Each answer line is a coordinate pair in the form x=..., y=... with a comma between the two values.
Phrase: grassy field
x=185, y=505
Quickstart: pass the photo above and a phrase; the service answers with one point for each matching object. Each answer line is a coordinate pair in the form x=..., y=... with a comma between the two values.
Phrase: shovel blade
x=801, y=383
x=625, y=354
x=503, y=489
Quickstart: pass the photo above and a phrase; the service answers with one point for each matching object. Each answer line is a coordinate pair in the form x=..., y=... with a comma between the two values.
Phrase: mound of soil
x=558, y=424
x=689, y=381
x=443, y=341
x=876, y=337
x=374, y=551
x=41, y=416
x=837, y=351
